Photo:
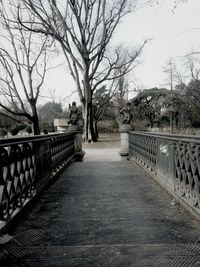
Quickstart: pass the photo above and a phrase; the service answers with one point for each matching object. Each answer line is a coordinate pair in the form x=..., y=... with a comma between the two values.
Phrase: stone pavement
x=105, y=213
x=105, y=150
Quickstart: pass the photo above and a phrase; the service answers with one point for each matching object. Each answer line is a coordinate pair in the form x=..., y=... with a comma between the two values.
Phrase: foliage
x=149, y=103
x=108, y=126
x=16, y=128
x=49, y=127
x=102, y=106
x=7, y=121
x=181, y=105
x=49, y=111
x=119, y=99
x=28, y=129
x=3, y=132
x=101, y=102
x=192, y=99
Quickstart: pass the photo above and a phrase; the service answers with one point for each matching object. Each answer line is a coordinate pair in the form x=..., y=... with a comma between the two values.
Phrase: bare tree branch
x=84, y=29
x=23, y=62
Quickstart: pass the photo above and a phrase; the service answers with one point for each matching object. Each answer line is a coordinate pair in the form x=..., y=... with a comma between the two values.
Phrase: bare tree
x=84, y=29
x=170, y=70
x=184, y=98
x=23, y=65
x=191, y=63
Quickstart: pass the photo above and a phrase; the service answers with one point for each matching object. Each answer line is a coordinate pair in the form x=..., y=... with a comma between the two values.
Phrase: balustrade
x=27, y=165
x=173, y=159
x=187, y=171
x=144, y=149
x=62, y=149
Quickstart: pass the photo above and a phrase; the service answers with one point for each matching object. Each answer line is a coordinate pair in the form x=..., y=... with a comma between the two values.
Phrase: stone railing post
x=78, y=139
x=124, y=137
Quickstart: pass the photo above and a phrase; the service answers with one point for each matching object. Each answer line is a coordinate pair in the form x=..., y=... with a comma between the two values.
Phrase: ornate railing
x=62, y=149
x=187, y=171
x=173, y=159
x=26, y=167
x=144, y=150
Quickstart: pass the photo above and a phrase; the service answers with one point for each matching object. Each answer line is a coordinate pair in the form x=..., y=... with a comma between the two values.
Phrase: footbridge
x=142, y=210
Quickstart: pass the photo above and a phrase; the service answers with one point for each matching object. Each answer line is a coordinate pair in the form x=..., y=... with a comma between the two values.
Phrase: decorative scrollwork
x=144, y=149
x=187, y=171
x=17, y=177
x=18, y=168
x=183, y=162
x=62, y=150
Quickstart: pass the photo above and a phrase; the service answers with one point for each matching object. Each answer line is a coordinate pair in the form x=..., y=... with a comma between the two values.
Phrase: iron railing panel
x=174, y=159
x=26, y=166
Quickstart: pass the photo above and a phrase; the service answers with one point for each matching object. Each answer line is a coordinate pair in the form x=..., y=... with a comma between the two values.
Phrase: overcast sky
x=172, y=33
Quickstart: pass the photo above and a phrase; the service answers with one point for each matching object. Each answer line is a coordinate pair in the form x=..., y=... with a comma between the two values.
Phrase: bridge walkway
x=105, y=213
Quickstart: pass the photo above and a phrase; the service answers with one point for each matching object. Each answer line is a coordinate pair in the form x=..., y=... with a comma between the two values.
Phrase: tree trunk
x=35, y=121
x=89, y=133
x=36, y=128
x=91, y=124
x=171, y=122
x=96, y=129
x=151, y=123
x=85, y=118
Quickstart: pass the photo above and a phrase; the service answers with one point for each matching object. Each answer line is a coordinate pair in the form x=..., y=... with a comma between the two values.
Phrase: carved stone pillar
x=124, y=137
x=78, y=139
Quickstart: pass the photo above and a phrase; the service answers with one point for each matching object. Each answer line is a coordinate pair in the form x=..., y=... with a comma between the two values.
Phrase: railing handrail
x=25, y=139
x=172, y=137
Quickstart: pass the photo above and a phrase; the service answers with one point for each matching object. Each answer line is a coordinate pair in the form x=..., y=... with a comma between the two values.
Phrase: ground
x=105, y=212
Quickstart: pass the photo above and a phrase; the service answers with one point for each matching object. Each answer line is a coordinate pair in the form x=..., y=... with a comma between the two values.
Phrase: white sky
x=172, y=35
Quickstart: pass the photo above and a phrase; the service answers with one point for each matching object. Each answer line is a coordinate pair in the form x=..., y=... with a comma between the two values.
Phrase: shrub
x=28, y=129
x=109, y=126
x=3, y=132
x=16, y=128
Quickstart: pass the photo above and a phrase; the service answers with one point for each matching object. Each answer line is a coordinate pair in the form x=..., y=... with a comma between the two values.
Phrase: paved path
x=105, y=214
x=107, y=149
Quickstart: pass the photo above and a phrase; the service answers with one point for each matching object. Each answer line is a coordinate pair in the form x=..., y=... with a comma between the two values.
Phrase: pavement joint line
x=117, y=245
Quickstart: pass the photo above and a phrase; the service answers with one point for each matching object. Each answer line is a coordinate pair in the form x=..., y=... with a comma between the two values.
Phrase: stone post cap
x=124, y=128
x=74, y=128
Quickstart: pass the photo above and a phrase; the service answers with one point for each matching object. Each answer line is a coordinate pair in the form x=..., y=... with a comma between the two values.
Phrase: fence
x=26, y=167
x=173, y=159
